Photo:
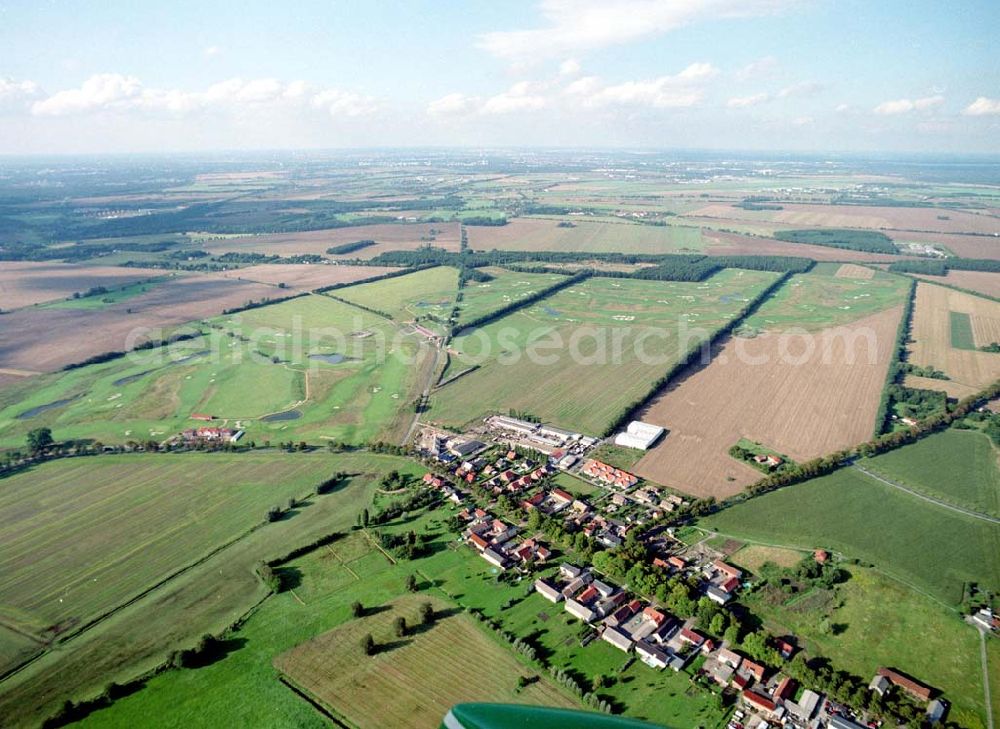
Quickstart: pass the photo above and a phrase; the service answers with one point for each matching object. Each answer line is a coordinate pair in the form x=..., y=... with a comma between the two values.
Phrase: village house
x=761, y=704
x=547, y=590
x=651, y=655
x=494, y=558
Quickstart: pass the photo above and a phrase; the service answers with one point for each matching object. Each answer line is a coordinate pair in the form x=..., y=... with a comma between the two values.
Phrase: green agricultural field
x=243, y=685
x=393, y=688
x=415, y=296
x=112, y=296
x=506, y=288
x=61, y=568
x=209, y=596
x=871, y=621
x=961, y=330
x=934, y=549
x=571, y=233
x=957, y=466
x=819, y=299
x=580, y=356
x=257, y=370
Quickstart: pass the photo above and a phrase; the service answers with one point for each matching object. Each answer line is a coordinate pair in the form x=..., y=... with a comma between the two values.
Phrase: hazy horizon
x=792, y=76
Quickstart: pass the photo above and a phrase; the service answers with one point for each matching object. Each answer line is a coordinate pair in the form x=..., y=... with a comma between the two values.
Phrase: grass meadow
x=821, y=299
x=166, y=511
x=249, y=366
x=602, y=324
x=244, y=685
x=506, y=287
x=871, y=621
x=956, y=466
x=935, y=550
x=405, y=298
x=208, y=597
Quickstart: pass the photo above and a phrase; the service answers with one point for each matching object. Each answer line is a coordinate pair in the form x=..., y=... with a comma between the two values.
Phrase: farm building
x=639, y=435
x=617, y=638
x=914, y=688
x=581, y=611
x=548, y=591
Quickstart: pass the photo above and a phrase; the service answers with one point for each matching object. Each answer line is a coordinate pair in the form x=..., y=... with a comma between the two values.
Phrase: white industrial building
x=639, y=435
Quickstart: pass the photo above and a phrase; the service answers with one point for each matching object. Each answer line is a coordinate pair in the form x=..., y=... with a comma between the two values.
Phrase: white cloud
x=522, y=96
x=583, y=86
x=212, y=51
x=760, y=67
x=983, y=106
x=806, y=88
x=843, y=108
x=454, y=105
x=904, y=106
x=802, y=121
x=14, y=94
x=569, y=67
x=741, y=102
x=104, y=90
x=680, y=90
x=111, y=92
x=579, y=25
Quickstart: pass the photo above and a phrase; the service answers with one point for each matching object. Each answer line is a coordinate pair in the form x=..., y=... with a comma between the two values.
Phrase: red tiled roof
x=758, y=700
x=906, y=683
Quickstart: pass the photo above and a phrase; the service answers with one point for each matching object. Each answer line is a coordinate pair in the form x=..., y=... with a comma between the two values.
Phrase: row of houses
x=494, y=541
x=658, y=639
x=607, y=475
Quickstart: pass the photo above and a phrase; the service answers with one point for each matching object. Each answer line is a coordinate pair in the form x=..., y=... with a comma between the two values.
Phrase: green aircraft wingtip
x=512, y=716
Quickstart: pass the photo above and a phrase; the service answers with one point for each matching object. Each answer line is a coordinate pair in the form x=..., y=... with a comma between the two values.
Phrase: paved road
x=929, y=499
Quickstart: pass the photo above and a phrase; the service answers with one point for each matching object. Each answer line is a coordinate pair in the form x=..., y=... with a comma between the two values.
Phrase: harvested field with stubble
x=852, y=270
x=394, y=688
x=44, y=340
x=387, y=237
x=544, y=234
x=803, y=408
x=982, y=281
x=307, y=276
x=932, y=340
x=965, y=246
x=24, y=283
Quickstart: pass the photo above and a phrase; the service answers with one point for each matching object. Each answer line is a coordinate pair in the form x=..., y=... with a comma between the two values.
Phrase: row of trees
x=696, y=350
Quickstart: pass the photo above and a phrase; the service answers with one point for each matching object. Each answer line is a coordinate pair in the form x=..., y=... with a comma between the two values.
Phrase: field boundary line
x=930, y=499
x=343, y=563
x=379, y=547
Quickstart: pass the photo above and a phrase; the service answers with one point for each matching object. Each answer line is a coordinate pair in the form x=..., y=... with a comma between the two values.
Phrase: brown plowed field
x=965, y=246
x=982, y=281
x=931, y=334
x=23, y=283
x=47, y=339
x=307, y=276
x=800, y=215
x=387, y=237
x=804, y=410
x=719, y=243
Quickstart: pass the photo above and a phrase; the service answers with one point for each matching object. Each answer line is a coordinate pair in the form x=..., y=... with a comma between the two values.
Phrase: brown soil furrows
x=804, y=409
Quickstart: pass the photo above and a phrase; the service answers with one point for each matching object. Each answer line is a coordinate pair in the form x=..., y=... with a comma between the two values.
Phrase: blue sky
x=730, y=74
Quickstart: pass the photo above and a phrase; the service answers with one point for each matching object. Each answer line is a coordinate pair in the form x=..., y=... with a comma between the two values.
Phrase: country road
x=929, y=499
x=425, y=393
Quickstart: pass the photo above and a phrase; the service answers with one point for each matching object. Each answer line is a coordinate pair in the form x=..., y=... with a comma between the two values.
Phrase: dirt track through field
x=931, y=335
x=803, y=410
